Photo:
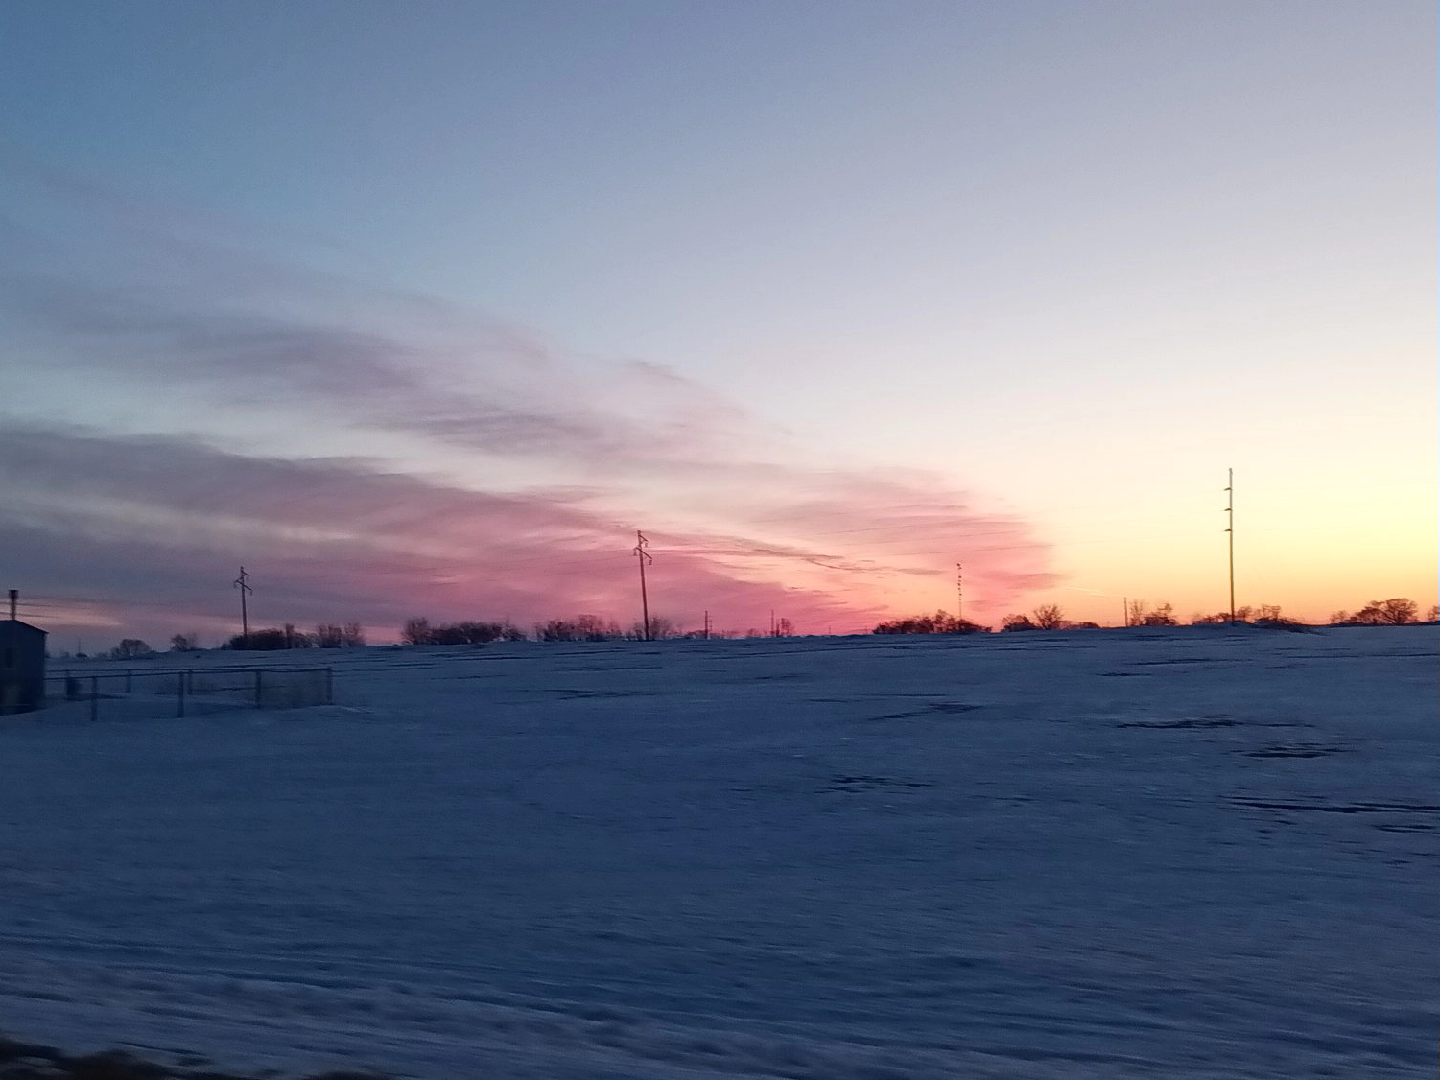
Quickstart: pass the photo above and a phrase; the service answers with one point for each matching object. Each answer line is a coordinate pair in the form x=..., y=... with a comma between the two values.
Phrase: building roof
x=14, y=624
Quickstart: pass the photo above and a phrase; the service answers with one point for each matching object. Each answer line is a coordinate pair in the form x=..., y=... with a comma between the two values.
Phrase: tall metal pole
x=959, y=594
x=644, y=557
x=1230, y=530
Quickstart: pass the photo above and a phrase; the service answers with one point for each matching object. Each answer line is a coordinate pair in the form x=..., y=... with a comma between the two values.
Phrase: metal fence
x=191, y=691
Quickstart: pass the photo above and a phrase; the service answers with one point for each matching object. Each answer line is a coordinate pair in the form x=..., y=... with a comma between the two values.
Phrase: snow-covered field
x=1201, y=853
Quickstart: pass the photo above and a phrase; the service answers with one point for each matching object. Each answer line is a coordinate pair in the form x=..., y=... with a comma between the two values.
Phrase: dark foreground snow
x=1189, y=854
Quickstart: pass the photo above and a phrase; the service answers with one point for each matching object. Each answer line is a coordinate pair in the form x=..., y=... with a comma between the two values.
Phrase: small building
x=22, y=667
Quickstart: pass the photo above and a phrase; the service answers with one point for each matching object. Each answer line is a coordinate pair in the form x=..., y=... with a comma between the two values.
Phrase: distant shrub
x=939, y=623
x=337, y=636
x=271, y=638
x=661, y=629
x=184, y=642
x=422, y=632
x=1163, y=615
x=1016, y=623
x=581, y=628
x=131, y=649
x=1138, y=614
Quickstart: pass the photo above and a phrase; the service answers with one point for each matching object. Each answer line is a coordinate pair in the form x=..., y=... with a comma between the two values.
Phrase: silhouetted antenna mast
x=644, y=557
x=959, y=593
x=1230, y=529
x=243, y=585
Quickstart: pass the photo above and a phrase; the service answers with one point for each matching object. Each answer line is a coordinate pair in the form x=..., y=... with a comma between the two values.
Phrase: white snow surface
x=1206, y=853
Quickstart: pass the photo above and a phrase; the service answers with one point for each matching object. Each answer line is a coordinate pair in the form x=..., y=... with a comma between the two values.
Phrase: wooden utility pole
x=243, y=585
x=644, y=557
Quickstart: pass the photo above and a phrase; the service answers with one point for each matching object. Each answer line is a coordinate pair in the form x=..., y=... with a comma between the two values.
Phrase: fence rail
x=192, y=691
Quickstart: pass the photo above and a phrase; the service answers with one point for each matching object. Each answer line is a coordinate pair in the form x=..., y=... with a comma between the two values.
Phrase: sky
x=425, y=309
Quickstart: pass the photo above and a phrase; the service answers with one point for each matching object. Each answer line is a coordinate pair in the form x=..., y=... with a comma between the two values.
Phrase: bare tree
x=1163, y=615
x=1048, y=617
x=661, y=628
x=1433, y=615
x=131, y=649
x=329, y=635
x=1393, y=612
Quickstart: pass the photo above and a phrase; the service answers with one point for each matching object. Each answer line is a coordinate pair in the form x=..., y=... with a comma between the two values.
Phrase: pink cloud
x=162, y=521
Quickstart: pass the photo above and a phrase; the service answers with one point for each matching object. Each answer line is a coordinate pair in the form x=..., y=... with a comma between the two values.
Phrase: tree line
x=420, y=631
x=1397, y=611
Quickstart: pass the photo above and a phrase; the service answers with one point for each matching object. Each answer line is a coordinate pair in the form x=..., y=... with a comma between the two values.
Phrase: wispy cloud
x=540, y=464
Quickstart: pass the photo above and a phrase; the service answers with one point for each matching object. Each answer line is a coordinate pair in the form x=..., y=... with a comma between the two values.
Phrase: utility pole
x=1124, y=611
x=707, y=626
x=643, y=557
x=243, y=585
x=959, y=593
x=1230, y=529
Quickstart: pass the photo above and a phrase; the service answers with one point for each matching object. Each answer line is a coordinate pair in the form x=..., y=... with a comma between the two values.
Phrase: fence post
x=180, y=695
x=94, y=697
x=259, y=690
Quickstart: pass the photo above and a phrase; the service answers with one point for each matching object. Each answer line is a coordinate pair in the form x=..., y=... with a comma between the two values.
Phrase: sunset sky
x=425, y=308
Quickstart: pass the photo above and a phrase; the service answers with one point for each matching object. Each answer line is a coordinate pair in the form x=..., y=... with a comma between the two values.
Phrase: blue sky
x=1051, y=265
